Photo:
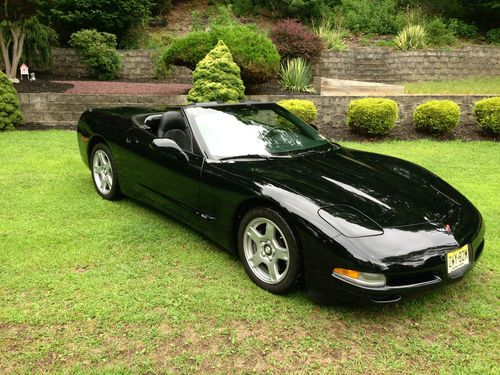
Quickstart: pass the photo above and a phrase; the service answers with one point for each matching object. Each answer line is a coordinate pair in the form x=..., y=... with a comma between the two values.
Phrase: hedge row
x=377, y=116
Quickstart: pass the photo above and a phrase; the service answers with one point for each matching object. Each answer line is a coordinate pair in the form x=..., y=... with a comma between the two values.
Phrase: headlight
x=374, y=280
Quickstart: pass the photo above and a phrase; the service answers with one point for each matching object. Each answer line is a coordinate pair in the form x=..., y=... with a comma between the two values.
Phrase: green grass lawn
x=472, y=85
x=91, y=285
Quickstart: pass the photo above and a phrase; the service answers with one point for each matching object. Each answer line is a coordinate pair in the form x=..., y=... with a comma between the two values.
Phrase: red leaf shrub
x=293, y=39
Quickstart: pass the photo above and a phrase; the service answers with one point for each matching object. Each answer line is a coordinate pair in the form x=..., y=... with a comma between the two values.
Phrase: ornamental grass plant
x=296, y=75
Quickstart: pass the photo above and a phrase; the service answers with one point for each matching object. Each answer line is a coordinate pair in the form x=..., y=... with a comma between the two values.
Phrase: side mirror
x=169, y=146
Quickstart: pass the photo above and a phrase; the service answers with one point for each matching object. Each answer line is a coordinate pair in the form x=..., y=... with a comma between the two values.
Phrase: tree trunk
x=12, y=48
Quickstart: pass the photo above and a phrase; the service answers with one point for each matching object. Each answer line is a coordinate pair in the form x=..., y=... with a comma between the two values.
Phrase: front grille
x=405, y=279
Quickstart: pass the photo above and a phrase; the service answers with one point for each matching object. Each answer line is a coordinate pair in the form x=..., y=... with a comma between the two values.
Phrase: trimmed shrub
x=462, y=29
x=252, y=51
x=303, y=109
x=437, y=116
x=438, y=34
x=373, y=116
x=296, y=75
x=411, y=37
x=487, y=113
x=217, y=77
x=98, y=52
x=10, y=106
x=372, y=17
x=293, y=39
x=493, y=36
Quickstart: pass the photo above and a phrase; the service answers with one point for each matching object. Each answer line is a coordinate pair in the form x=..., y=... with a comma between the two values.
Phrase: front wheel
x=269, y=250
x=104, y=173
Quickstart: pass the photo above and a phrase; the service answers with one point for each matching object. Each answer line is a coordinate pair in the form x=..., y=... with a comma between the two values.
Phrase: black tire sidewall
x=295, y=257
x=114, y=193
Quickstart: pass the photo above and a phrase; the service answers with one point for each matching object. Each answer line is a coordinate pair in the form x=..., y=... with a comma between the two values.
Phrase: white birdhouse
x=24, y=71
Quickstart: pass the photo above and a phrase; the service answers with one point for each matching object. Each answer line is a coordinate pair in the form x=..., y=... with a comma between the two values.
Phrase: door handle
x=131, y=140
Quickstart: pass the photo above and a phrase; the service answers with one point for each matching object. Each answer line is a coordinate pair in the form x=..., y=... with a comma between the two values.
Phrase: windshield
x=265, y=130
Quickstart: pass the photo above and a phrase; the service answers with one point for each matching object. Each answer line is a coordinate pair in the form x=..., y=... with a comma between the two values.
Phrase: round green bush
x=437, y=116
x=253, y=51
x=373, y=116
x=217, y=77
x=493, y=36
x=98, y=52
x=10, y=106
x=487, y=113
x=303, y=109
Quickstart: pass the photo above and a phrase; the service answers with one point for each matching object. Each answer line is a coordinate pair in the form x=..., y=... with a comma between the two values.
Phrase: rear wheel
x=104, y=173
x=269, y=250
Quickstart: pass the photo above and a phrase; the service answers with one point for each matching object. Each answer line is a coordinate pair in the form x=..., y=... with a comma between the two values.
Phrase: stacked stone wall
x=382, y=64
x=137, y=65
x=64, y=110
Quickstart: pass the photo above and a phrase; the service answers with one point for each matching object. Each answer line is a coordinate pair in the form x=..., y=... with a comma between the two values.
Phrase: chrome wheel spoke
x=256, y=259
x=100, y=159
x=270, y=231
x=255, y=235
x=103, y=183
x=273, y=271
x=281, y=253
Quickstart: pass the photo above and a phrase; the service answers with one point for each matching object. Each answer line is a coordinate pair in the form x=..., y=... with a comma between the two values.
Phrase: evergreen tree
x=217, y=77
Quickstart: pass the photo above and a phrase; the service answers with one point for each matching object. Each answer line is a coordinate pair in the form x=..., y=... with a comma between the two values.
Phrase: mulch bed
x=56, y=84
x=114, y=87
x=100, y=87
x=42, y=86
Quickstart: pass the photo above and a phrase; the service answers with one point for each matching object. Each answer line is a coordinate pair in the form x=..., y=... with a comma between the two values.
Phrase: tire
x=103, y=171
x=271, y=257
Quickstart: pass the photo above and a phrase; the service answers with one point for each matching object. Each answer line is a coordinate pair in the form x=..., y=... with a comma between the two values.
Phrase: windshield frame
x=306, y=128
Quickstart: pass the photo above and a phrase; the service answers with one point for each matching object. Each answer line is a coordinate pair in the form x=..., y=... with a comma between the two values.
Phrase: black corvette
x=254, y=178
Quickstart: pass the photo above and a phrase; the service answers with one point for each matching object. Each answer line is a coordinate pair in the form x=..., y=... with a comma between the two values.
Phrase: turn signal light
x=349, y=273
x=373, y=280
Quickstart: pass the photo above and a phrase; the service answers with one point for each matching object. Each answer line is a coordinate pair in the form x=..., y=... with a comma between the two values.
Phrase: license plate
x=457, y=258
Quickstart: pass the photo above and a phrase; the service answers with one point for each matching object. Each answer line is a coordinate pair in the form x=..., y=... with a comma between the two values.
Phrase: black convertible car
x=256, y=179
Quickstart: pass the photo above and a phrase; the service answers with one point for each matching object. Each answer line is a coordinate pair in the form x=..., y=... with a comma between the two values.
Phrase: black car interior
x=170, y=124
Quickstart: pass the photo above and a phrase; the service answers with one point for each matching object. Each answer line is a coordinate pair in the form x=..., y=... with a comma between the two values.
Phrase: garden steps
x=342, y=87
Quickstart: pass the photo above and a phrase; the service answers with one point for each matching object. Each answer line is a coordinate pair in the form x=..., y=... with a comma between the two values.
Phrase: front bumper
x=324, y=287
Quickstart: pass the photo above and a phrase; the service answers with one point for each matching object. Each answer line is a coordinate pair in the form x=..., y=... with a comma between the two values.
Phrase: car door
x=159, y=177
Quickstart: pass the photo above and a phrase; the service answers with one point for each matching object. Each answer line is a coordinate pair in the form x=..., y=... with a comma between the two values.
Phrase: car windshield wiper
x=309, y=152
x=254, y=156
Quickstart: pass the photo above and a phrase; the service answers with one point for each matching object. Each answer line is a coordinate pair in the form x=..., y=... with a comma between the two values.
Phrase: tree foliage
x=14, y=15
x=118, y=16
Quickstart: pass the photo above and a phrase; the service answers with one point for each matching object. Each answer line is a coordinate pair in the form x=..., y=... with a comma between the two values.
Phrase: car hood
x=392, y=192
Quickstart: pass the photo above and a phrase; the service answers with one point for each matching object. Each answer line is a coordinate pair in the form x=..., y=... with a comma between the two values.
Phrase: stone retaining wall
x=64, y=110
x=137, y=65
x=383, y=64
x=376, y=64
